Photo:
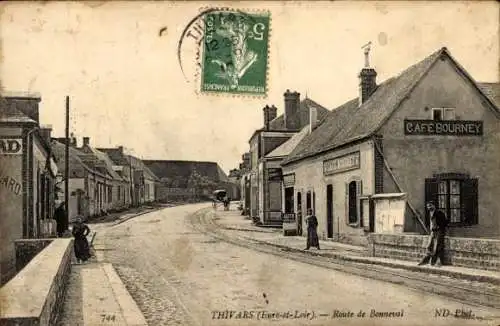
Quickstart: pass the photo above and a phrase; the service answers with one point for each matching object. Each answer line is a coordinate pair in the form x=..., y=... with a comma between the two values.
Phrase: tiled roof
x=287, y=147
x=492, y=91
x=351, y=122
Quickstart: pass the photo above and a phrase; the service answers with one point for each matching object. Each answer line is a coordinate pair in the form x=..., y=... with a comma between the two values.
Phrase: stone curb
x=368, y=261
x=130, y=311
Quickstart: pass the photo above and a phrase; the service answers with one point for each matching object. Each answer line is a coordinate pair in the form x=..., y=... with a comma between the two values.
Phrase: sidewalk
x=229, y=220
x=96, y=295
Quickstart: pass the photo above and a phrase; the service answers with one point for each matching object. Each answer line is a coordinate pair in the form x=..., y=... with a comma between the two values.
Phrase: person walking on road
x=81, y=244
x=435, y=247
x=312, y=234
x=60, y=217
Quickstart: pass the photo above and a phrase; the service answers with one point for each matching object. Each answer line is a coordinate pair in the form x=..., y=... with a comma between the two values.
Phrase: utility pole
x=66, y=169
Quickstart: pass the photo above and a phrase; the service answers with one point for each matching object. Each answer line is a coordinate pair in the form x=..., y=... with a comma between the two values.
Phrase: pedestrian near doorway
x=60, y=217
x=81, y=244
x=312, y=234
x=435, y=246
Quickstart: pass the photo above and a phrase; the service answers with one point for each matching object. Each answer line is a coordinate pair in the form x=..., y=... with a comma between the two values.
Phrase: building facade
x=27, y=175
x=87, y=185
x=430, y=133
x=264, y=174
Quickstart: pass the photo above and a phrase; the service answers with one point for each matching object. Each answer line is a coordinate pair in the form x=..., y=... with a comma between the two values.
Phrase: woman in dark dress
x=80, y=232
x=312, y=234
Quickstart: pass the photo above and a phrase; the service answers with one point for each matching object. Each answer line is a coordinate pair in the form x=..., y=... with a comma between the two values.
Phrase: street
x=180, y=276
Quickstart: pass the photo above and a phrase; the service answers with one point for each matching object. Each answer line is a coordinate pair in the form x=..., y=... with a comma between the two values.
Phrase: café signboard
x=11, y=146
x=443, y=128
x=341, y=164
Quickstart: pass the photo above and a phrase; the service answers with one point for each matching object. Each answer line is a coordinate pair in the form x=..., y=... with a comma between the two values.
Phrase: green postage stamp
x=235, y=52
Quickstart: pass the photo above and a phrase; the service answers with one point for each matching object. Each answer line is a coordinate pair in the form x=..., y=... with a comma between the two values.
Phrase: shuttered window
x=456, y=196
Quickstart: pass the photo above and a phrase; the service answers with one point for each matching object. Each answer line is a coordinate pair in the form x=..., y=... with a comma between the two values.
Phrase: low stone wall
x=466, y=252
x=36, y=294
x=26, y=249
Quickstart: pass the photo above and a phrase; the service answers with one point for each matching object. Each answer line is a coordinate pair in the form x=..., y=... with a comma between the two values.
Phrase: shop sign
x=341, y=164
x=11, y=146
x=274, y=174
x=443, y=128
x=289, y=179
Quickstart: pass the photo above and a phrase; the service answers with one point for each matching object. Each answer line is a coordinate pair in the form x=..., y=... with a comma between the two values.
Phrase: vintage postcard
x=249, y=163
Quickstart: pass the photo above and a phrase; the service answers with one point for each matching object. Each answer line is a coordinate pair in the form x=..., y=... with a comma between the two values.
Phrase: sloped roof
x=287, y=147
x=174, y=169
x=492, y=91
x=351, y=122
x=116, y=155
x=278, y=123
x=75, y=161
x=108, y=164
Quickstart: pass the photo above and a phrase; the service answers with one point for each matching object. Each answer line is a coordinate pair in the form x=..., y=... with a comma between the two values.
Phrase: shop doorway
x=329, y=211
x=299, y=213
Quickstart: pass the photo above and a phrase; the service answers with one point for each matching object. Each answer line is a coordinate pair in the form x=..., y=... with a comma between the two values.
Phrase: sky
x=126, y=86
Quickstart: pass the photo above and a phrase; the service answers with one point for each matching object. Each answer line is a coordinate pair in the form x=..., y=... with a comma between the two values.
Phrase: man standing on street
x=435, y=248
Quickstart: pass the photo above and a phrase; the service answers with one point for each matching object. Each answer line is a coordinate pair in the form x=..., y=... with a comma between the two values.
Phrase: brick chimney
x=270, y=113
x=86, y=141
x=292, y=103
x=367, y=78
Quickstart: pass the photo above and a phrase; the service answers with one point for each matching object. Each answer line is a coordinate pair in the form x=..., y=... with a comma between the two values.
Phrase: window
x=456, y=195
x=308, y=201
x=439, y=114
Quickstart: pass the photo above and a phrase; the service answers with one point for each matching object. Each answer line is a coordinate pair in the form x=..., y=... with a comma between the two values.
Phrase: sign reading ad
x=443, y=128
x=341, y=164
x=11, y=146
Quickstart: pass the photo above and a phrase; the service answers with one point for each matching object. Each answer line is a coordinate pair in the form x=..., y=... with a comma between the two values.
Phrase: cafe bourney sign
x=11, y=146
x=443, y=128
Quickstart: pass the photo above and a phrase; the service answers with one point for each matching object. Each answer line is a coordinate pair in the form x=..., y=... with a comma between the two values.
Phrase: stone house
x=117, y=190
x=430, y=133
x=28, y=173
x=276, y=131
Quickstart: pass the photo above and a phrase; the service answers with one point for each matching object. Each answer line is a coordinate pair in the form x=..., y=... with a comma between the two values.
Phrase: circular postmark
x=223, y=50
